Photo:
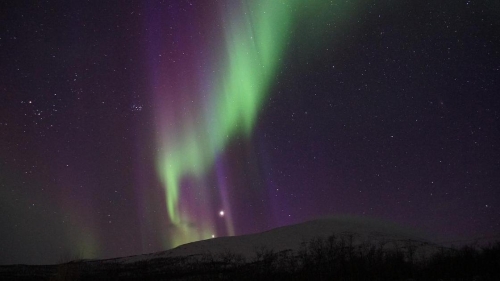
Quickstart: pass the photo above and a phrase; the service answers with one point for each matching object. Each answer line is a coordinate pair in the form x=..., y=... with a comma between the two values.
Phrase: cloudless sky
x=126, y=127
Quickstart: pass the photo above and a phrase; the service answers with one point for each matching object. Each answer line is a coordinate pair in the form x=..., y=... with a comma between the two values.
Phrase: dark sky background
x=388, y=110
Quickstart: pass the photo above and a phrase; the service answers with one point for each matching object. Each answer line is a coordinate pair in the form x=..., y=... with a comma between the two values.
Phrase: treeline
x=339, y=258
x=331, y=258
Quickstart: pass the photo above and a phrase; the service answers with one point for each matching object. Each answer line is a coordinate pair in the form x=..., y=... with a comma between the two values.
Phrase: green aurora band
x=255, y=41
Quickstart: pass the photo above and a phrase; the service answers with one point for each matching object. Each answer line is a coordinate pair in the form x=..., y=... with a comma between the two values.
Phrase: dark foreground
x=334, y=258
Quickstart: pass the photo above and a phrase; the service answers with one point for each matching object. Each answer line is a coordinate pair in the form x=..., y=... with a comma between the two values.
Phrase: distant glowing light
x=221, y=213
x=213, y=236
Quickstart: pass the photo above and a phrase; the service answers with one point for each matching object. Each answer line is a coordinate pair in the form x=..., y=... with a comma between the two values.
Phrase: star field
x=133, y=127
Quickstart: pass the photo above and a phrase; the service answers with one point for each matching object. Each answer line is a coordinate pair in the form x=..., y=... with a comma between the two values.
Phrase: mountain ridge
x=290, y=237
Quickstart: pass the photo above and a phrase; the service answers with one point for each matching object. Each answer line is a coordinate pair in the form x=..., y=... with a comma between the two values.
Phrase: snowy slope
x=290, y=237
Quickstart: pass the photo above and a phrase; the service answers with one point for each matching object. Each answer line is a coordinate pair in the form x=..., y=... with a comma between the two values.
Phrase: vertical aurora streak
x=197, y=119
x=254, y=39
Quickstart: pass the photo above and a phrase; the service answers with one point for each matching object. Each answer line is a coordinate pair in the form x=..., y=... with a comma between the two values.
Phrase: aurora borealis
x=130, y=128
x=229, y=105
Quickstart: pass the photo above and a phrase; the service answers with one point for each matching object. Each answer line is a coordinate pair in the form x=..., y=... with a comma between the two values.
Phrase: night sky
x=130, y=127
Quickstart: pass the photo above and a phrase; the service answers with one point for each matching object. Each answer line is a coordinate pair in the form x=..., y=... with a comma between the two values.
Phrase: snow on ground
x=290, y=237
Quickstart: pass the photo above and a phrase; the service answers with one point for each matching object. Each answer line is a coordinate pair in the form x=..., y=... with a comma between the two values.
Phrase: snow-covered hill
x=290, y=238
x=363, y=249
